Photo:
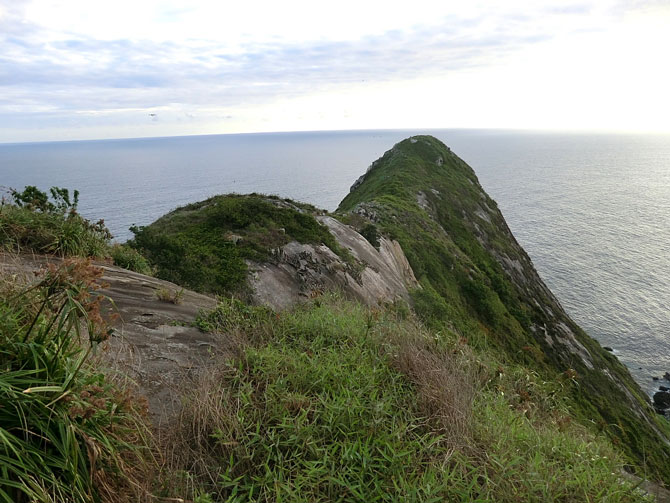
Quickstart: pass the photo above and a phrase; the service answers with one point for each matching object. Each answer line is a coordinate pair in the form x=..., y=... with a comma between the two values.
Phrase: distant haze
x=78, y=69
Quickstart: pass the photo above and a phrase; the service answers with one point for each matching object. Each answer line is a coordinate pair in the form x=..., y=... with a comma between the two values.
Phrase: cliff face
x=478, y=280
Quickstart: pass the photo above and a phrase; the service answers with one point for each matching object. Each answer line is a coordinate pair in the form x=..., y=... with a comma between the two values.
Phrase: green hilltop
x=477, y=280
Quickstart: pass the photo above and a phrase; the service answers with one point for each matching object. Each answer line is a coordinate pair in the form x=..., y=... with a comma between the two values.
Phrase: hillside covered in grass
x=205, y=246
x=478, y=281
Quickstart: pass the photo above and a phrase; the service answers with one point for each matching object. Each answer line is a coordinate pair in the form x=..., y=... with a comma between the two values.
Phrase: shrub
x=129, y=258
x=371, y=233
x=34, y=222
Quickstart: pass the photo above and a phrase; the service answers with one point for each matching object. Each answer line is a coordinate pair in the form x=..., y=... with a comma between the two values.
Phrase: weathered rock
x=154, y=343
x=301, y=271
x=662, y=400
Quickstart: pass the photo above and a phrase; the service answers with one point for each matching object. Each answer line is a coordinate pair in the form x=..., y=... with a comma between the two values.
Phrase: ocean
x=592, y=211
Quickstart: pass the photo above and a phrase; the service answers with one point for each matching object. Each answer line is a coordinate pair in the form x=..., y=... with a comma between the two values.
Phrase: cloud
x=56, y=76
x=173, y=70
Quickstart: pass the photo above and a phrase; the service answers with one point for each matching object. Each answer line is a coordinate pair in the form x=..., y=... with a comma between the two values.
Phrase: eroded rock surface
x=300, y=271
x=154, y=342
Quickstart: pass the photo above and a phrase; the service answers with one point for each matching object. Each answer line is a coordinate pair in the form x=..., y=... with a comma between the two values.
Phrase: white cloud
x=91, y=69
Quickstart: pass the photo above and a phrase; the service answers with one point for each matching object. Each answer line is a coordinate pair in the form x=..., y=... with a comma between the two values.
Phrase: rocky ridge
x=462, y=250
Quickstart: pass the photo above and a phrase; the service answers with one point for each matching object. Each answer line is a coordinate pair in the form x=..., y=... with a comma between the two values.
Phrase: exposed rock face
x=301, y=271
x=154, y=342
x=662, y=401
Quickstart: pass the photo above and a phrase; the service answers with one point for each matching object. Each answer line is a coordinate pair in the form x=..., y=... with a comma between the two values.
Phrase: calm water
x=593, y=211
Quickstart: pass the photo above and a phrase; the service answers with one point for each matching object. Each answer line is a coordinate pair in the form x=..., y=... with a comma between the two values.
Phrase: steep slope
x=476, y=280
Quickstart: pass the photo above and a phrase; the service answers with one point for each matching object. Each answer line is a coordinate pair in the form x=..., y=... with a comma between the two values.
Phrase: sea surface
x=592, y=211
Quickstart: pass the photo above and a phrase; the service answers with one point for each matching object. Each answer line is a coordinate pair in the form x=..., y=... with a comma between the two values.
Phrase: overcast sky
x=80, y=69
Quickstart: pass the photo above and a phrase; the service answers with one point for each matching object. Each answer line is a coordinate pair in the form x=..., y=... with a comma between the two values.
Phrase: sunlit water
x=592, y=211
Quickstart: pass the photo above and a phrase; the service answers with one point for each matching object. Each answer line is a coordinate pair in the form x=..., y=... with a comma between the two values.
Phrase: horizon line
x=594, y=131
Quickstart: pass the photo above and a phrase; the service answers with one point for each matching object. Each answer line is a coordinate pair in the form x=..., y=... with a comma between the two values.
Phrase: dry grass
x=171, y=296
x=190, y=443
x=445, y=375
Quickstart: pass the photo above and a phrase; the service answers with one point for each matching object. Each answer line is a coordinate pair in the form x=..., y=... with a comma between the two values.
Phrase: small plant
x=172, y=296
x=129, y=258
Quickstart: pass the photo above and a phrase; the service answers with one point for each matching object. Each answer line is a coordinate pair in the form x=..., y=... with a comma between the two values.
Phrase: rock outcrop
x=299, y=271
x=154, y=343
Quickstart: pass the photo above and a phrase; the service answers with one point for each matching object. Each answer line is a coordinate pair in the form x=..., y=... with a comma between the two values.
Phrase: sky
x=85, y=69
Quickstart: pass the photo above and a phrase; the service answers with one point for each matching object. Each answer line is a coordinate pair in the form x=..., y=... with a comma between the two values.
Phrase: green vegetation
x=37, y=222
x=335, y=402
x=129, y=258
x=371, y=233
x=455, y=239
x=66, y=434
x=487, y=391
x=33, y=221
x=203, y=246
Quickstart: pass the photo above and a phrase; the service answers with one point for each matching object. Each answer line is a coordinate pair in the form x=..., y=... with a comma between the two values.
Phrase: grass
x=66, y=434
x=24, y=229
x=335, y=402
x=34, y=221
x=169, y=295
x=205, y=246
x=434, y=209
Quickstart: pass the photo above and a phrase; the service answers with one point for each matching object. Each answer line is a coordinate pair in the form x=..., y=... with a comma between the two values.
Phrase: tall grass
x=64, y=431
x=336, y=402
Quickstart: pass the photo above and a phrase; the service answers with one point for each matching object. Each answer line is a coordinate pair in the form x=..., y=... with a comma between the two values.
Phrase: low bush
x=33, y=221
x=371, y=233
x=129, y=258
